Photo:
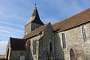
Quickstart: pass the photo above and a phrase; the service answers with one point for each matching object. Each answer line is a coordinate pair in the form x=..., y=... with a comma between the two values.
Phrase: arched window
x=63, y=40
x=83, y=33
x=34, y=46
x=49, y=53
x=50, y=47
x=72, y=55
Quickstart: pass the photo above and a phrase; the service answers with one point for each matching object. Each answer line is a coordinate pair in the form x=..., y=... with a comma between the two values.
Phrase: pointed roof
x=35, y=12
x=35, y=17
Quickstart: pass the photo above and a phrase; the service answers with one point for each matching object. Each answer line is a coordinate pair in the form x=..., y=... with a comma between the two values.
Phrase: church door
x=72, y=55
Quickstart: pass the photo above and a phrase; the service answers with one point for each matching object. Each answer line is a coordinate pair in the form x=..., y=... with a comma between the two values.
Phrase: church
x=65, y=40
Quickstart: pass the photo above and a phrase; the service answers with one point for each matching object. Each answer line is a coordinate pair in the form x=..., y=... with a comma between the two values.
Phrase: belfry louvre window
x=34, y=46
x=83, y=33
x=63, y=40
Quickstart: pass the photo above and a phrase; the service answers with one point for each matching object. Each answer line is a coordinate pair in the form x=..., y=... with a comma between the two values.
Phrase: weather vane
x=35, y=3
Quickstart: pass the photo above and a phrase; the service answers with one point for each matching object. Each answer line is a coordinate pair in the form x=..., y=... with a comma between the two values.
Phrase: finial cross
x=35, y=3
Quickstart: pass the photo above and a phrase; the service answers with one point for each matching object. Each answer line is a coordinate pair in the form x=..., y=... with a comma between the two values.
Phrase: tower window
x=63, y=40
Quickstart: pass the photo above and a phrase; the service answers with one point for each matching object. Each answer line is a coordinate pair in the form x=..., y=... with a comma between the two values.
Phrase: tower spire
x=34, y=21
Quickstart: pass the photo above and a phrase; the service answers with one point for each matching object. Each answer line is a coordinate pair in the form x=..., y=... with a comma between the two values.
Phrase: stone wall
x=76, y=44
x=45, y=47
x=15, y=55
x=59, y=54
x=36, y=38
x=75, y=41
x=86, y=44
x=46, y=44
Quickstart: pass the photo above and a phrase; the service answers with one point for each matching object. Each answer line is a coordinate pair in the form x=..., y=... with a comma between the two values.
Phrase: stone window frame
x=83, y=33
x=72, y=54
x=63, y=40
x=34, y=46
x=51, y=48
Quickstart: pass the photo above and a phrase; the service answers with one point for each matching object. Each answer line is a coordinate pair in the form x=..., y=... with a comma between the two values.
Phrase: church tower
x=34, y=22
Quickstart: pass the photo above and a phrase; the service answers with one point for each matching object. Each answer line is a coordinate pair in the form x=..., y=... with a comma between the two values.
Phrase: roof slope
x=37, y=31
x=69, y=23
x=73, y=21
x=17, y=44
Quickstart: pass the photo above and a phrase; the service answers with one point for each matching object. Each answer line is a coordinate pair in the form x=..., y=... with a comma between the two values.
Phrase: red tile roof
x=17, y=44
x=73, y=21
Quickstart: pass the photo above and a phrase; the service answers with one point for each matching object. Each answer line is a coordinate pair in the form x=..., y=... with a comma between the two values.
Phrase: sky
x=15, y=13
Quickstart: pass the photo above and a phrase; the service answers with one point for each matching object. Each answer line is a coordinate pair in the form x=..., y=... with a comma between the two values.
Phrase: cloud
x=10, y=24
x=3, y=46
x=61, y=9
x=5, y=31
x=11, y=29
